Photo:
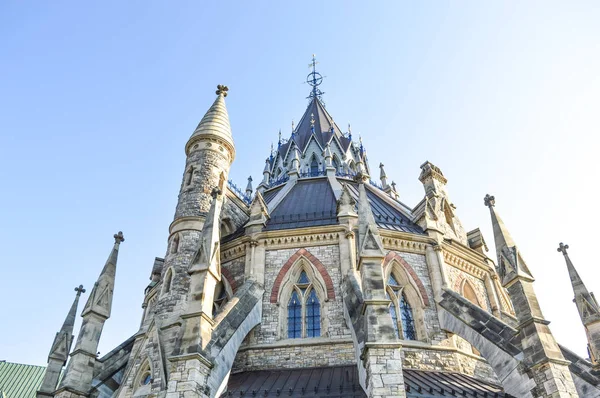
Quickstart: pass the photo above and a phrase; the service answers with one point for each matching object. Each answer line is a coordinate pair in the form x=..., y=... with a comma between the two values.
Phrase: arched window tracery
x=400, y=310
x=303, y=309
x=223, y=294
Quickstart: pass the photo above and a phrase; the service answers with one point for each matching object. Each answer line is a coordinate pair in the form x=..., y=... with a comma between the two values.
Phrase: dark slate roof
x=333, y=382
x=20, y=381
x=342, y=381
x=430, y=384
x=271, y=193
x=310, y=203
x=386, y=215
x=322, y=130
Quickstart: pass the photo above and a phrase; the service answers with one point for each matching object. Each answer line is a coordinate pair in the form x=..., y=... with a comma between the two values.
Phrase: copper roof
x=19, y=380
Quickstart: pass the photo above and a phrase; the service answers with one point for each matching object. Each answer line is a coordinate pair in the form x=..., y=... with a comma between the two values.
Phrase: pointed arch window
x=336, y=164
x=314, y=167
x=189, y=176
x=175, y=244
x=222, y=295
x=304, y=310
x=168, y=281
x=401, y=311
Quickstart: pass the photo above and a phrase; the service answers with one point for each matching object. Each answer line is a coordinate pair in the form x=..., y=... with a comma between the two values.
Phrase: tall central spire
x=314, y=79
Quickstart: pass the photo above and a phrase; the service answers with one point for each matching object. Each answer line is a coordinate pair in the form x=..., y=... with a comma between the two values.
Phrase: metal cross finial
x=381, y=165
x=489, y=201
x=80, y=289
x=314, y=79
x=221, y=89
x=394, y=185
x=562, y=248
x=119, y=237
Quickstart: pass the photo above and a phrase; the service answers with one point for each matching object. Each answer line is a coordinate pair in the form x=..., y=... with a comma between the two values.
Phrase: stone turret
x=210, y=152
x=542, y=355
x=77, y=379
x=588, y=309
x=60, y=350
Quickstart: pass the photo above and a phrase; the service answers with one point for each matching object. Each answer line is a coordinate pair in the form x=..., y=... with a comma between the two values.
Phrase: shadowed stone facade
x=323, y=268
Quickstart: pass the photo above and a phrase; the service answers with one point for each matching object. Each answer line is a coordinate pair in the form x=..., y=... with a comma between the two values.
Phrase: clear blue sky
x=98, y=99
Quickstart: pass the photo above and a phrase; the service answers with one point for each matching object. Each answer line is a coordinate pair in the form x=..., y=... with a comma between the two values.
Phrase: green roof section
x=20, y=381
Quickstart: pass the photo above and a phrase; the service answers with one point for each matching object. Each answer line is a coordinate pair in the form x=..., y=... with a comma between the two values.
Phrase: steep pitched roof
x=386, y=216
x=323, y=123
x=309, y=203
x=20, y=381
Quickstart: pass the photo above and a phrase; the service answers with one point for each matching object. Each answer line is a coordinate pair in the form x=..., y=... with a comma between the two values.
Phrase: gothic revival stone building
x=322, y=283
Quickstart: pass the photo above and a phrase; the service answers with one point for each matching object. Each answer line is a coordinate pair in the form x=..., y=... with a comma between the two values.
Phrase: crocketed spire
x=510, y=261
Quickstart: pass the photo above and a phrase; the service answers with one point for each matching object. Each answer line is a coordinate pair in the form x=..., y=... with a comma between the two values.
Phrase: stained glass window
x=394, y=316
x=294, y=317
x=400, y=310
x=313, y=315
x=304, y=310
x=408, y=322
x=303, y=278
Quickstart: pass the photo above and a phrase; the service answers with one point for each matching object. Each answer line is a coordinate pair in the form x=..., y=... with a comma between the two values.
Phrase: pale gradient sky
x=98, y=99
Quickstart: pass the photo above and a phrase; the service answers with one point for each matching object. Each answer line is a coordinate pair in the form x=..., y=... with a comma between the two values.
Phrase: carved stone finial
x=80, y=289
x=222, y=90
x=562, y=248
x=312, y=120
x=119, y=237
x=215, y=192
x=489, y=201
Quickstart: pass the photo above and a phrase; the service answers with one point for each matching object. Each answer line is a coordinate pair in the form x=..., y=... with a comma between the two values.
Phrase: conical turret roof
x=215, y=122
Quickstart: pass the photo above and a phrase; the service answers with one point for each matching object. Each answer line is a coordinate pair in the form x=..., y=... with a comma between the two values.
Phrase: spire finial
x=489, y=201
x=119, y=238
x=293, y=127
x=312, y=120
x=562, y=248
x=79, y=289
x=314, y=79
x=222, y=90
x=349, y=132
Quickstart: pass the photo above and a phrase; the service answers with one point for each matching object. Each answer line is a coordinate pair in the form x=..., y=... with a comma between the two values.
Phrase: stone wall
x=332, y=316
x=207, y=165
x=456, y=278
x=234, y=270
x=323, y=352
x=447, y=360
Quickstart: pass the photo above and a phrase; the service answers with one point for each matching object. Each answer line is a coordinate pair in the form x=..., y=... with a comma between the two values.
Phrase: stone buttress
x=588, y=309
x=77, y=380
x=542, y=356
x=59, y=353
